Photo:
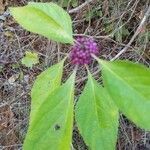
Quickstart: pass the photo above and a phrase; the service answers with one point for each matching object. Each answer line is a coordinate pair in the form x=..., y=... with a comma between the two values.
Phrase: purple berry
x=82, y=50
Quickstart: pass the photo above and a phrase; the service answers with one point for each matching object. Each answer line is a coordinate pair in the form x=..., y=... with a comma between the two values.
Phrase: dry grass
x=106, y=18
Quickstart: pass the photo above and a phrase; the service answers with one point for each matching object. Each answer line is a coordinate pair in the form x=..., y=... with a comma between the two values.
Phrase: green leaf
x=44, y=85
x=97, y=117
x=47, y=19
x=30, y=59
x=129, y=85
x=52, y=125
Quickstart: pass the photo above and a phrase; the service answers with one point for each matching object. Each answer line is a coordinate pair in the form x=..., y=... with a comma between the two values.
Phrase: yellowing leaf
x=30, y=59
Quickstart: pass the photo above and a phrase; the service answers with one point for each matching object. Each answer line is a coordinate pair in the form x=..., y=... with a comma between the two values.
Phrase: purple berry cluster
x=82, y=50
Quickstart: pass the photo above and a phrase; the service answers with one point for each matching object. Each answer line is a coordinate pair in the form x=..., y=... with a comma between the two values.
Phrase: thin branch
x=75, y=10
x=138, y=30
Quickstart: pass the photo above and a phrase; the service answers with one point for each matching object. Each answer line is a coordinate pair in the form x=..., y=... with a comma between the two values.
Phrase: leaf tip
x=11, y=9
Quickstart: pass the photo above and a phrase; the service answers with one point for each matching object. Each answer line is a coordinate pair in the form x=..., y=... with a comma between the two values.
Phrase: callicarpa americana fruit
x=82, y=49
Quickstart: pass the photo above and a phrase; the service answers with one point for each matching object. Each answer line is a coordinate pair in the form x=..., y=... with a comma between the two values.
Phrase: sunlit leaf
x=51, y=128
x=97, y=117
x=129, y=85
x=47, y=19
x=30, y=59
x=44, y=85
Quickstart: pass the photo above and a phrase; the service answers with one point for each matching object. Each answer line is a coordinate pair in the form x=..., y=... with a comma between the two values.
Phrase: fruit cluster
x=81, y=52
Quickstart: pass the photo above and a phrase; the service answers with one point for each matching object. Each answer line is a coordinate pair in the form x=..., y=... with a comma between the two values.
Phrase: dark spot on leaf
x=57, y=127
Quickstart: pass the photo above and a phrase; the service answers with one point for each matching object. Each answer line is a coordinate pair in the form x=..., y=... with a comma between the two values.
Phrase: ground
x=116, y=27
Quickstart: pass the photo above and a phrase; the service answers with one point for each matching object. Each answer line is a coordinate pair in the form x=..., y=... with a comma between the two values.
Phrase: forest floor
x=117, y=26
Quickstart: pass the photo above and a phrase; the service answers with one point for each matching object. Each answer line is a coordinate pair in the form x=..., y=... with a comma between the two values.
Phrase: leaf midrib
x=96, y=106
x=69, y=102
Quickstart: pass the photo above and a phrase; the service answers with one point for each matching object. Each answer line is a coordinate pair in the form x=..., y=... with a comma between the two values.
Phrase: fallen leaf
x=13, y=78
x=30, y=59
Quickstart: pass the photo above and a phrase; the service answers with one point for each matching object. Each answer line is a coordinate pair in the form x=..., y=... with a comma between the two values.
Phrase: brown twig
x=75, y=10
x=138, y=30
